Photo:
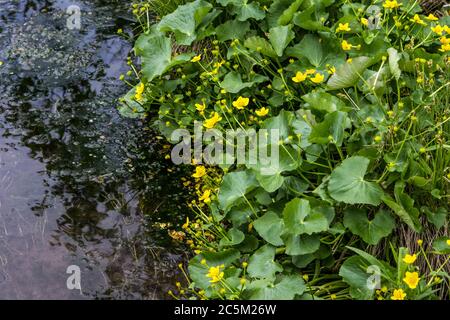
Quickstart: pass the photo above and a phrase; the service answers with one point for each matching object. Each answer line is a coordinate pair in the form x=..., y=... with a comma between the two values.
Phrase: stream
x=79, y=185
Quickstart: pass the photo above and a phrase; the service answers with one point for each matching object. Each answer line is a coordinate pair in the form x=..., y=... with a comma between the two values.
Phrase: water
x=79, y=185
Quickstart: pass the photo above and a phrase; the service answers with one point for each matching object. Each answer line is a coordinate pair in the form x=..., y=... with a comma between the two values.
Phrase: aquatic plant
x=358, y=92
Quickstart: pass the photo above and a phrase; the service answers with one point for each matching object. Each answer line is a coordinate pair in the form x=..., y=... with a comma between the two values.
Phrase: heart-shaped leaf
x=300, y=219
x=270, y=227
x=262, y=265
x=347, y=183
x=371, y=231
x=280, y=37
x=235, y=186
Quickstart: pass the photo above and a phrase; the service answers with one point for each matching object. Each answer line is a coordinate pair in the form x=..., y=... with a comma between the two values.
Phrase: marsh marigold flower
x=241, y=102
x=299, y=77
x=438, y=29
x=398, y=294
x=262, y=112
x=215, y=274
x=448, y=242
x=432, y=17
x=346, y=45
x=200, y=107
x=418, y=20
x=211, y=122
x=364, y=22
x=200, y=171
x=318, y=78
x=411, y=279
x=409, y=259
x=206, y=197
x=139, y=91
x=391, y=4
x=196, y=58
x=343, y=27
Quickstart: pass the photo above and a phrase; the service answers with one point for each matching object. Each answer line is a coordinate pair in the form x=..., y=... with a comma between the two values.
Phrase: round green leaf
x=371, y=231
x=347, y=183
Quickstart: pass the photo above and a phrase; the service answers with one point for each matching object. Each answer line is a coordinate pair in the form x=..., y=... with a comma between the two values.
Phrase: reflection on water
x=78, y=184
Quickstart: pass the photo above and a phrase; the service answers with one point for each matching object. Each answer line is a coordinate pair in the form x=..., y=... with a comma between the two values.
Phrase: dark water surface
x=79, y=185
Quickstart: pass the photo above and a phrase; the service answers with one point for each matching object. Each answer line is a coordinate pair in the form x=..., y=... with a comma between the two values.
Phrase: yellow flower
x=445, y=48
x=299, y=77
x=438, y=29
x=343, y=27
x=196, y=58
x=206, y=196
x=409, y=259
x=416, y=19
x=200, y=107
x=186, y=224
x=318, y=78
x=391, y=4
x=398, y=294
x=211, y=122
x=139, y=91
x=346, y=46
x=240, y=103
x=420, y=242
x=448, y=242
x=364, y=22
x=215, y=274
x=262, y=112
x=432, y=17
x=411, y=279
x=310, y=71
x=444, y=40
x=331, y=69
x=200, y=171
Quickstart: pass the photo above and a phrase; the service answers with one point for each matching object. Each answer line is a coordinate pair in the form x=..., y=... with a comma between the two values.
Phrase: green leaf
x=232, y=82
x=184, y=20
x=269, y=173
x=310, y=48
x=371, y=231
x=234, y=237
x=270, y=227
x=262, y=264
x=156, y=54
x=198, y=271
x=348, y=74
x=325, y=102
x=437, y=217
x=235, y=186
x=331, y=129
x=259, y=44
x=347, y=183
x=301, y=244
x=280, y=37
x=282, y=123
x=247, y=11
x=441, y=245
x=394, y=58
x=232, y=29
x=403, y=206
x=353, y=272
x=288, y=14
x=285, y=289
x=130, y=108
x=299, y=219
x=310, y=19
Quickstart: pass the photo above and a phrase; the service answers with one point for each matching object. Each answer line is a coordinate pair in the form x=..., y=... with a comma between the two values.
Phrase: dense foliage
x=359, y=92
